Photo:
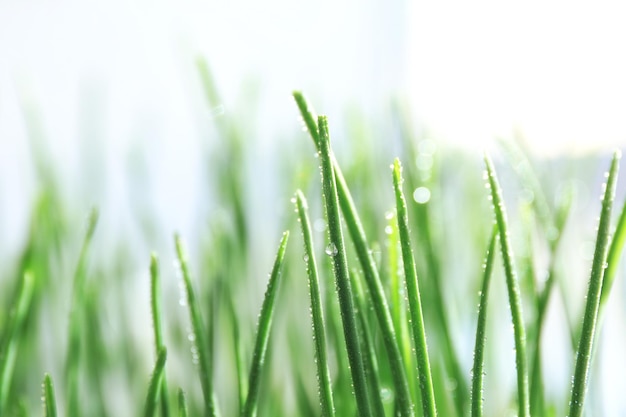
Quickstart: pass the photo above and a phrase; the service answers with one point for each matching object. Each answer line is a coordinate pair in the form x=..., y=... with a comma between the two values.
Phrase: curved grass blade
x=76, y=324
x=370, y=270
x=204, y=359
x=154, y=390
x=613, y=258
x=155, y=293
x=50, y=402
x=415, y=304
x=583, y=356
x=263, y=332
x=512, y=284
x=481, y=327
x=337, y=250
x=319, y=332
x=11, y=337
x=183, y=410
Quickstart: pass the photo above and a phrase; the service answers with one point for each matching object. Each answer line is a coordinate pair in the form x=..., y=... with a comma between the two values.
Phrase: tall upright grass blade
x=155, y=298
x=263, y=331
x=242, y=378
x=319, y=332
x=12, y=335
x=337, y=250
x=49, y=399
x=613, y=258
x=370, y=270
x=415, y=304
x=200, y=338
x=155, y=388
x=583, y=356
x=183, y=410
x=512, y=284
x=74, y=351
x=481, y=328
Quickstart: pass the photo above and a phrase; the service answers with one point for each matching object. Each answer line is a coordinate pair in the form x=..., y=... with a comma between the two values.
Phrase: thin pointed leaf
x=613, y=257
x=155, y=293
x=481, y=327
x=319, y=332
x=154, y=390
x=415, y=304
x=263, y=332
x=583, y=356
x=512, y=284
x=50, y=402
x=182, y=404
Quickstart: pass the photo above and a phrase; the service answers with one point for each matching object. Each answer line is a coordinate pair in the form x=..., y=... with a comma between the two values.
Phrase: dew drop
x=388, y=230
x=331, y=249
x=421, y=195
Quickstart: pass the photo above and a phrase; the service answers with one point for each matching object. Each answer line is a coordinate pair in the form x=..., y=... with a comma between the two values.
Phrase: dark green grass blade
x=370, y=270
x=512, y=284
x=613, y=258
x=76, y=324
x=50, y=402
x=182, y=404
x=155, y=387
x=204, y=359
x=370, y=364
x=155, y=293
x=263, y=332
x=415, y=304
x=11, y=337
x=319, y=331
x=242, y=378
x=583, y=356
x=481, y=327
x=337, y=250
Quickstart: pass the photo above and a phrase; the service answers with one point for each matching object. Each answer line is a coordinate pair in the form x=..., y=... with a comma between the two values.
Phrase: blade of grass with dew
x=415, y=304
x=481, y=327
x=583, y=356
x=370, y=270
x=183, y=410
x=199, y=331
x=337, y=250
x=11, y=337
x=370, y=364
x=319, y=332
x=263, y=331
x=76, y=323
x=155, y=293
x=49, y=399
x=154, y=389
x=515, y=302
x=613, y=258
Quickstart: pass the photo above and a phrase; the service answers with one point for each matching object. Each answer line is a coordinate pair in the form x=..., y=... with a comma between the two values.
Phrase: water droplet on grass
x=421, y=195
x=331, y=249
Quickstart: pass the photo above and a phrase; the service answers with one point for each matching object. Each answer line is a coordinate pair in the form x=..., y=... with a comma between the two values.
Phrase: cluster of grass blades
x=370, y=337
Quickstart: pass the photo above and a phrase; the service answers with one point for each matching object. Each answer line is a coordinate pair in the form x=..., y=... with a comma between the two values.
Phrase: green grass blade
x=183, y=410
x=370, y=270
x=199, y=331
x=154, y=390
x=583, y=356
x=481, y=327
x=11, y=337
x=50, y=402
x=155, y=293
x=242, y=378
x=415, y=304
x=74, y=353
x=512, y=284
x=337, y=250
x=319, y=332
x=613, y=258
x=263, y=332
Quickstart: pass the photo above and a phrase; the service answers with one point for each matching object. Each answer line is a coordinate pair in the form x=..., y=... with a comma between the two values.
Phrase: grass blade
x=50, y=402
x=481, y=327
x=263, y=332
x=415, y=304
x=613, y=258
x=154, y=390
x=200, y=336
x=512, y=284
x=583, y=356
x=155, y=293
x=182, y=404
x=370, y=270
x=11, y=337
x=319, y=332
x=337, y=250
